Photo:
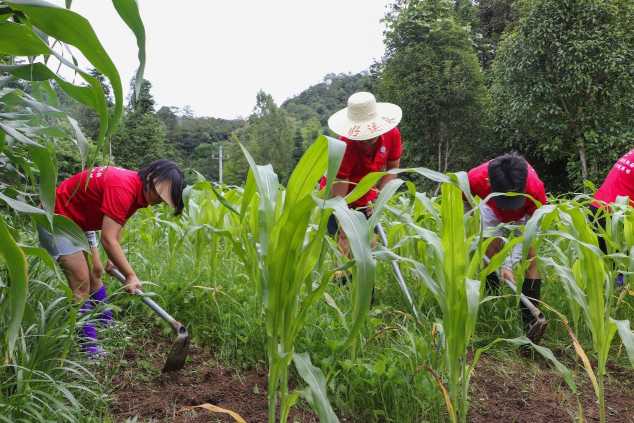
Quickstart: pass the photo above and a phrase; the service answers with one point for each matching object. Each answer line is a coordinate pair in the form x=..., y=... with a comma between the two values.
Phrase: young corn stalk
x=452, y=277
x=289, y=227
x=588, y=281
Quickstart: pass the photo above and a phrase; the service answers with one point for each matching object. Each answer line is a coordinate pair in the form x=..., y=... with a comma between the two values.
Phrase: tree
x=142, y=138
x=564, y=86
x=168, y=117
x=144, y=102
x=268, y=136
x=431, y=70
x=495, y=16
x=298, y=146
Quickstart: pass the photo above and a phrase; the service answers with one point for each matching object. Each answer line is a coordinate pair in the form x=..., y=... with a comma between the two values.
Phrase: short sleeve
x=117, y=202
x=475, y=182
x=396, y=149
x=348, y=161
x=539, y=192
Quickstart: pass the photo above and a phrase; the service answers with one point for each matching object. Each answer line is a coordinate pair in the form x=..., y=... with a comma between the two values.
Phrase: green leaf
x=18, y=288
x=129, y=12
x=19, y=40
x=627, y=336
x=40, y=253
x=316, y=394
x=45, y=163
x=21, y=206
x=72, y=28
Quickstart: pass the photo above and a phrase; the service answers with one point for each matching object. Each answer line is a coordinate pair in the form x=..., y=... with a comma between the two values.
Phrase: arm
x=392, y=164
x=340, y=188
x=110, y=235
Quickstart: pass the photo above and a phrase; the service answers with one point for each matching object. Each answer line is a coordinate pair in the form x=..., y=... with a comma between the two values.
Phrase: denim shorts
x=58, y=245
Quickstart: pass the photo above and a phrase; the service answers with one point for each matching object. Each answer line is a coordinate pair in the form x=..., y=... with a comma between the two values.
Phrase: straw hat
x=364, y=118
x=164, y=190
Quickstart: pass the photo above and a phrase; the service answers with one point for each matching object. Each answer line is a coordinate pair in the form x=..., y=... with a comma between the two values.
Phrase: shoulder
x=479, y=179
x=393, y=135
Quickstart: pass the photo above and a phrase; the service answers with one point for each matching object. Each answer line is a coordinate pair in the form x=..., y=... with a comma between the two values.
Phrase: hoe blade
x=177, y=356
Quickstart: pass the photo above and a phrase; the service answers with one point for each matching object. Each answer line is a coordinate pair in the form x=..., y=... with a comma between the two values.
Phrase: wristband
x=93, y=241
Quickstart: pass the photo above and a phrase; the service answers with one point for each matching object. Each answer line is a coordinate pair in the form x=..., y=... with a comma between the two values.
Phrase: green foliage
x=269, y=134
x=563, y=86
x=430, y=69
x=321, y=100
x=140, y=140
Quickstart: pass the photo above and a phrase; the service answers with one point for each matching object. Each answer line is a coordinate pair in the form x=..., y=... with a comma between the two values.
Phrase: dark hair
x=508, y=173
x=165, y=170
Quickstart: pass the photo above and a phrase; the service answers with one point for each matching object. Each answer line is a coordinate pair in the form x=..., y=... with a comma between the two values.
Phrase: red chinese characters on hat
x=354, y=131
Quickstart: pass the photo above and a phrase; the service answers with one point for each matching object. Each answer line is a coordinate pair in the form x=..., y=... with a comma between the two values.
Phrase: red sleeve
x=396, y=149
x=537, y=191
x=477, y=182
x=117, y=202
x=348, y=161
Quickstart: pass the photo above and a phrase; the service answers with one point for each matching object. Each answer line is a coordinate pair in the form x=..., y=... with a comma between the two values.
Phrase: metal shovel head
x=536, y=328
x=177, y=356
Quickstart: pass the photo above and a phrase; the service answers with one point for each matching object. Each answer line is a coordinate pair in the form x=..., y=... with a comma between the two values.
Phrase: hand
x=132, y=284
x=507, y=274
x=109, y=266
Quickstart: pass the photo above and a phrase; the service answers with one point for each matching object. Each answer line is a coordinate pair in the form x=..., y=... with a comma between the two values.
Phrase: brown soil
x=142, y=391
x=502, y=391
x=512, y=391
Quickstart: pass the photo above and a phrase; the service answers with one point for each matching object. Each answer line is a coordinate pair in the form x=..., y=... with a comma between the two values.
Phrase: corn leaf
x=18, y=278
x=316, y=394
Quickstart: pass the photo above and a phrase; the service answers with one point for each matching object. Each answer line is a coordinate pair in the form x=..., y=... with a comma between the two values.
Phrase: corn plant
x=288, y=228
x=34, y=33
x=453, y=280
x=588, y=282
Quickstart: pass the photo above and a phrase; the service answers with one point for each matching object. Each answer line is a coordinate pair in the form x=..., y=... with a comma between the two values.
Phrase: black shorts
x=333, y=225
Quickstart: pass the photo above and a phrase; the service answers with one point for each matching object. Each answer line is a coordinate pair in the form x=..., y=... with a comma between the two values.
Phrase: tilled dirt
x=505, y=391
x=166, y=397
x=513, y=392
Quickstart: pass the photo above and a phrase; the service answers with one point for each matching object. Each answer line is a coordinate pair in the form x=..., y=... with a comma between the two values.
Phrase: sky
x=215, y=55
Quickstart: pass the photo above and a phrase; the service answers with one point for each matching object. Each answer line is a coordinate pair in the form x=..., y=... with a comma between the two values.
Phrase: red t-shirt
x=619, y=182
x=111, y=191
x=361, y=158
x=480, y=186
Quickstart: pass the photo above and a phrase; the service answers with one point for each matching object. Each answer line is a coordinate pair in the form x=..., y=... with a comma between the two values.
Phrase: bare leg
x=77, y=272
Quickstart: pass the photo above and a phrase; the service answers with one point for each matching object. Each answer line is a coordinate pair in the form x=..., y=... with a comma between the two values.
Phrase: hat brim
x=388, y=116
x=505, y=202
x=164, y=190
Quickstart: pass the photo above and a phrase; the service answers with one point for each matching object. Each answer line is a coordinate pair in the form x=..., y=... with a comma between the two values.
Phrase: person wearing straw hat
x=104, y=198
x=373, y=144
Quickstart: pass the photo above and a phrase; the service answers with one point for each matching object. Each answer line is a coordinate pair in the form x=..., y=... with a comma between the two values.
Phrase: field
x=283, y=326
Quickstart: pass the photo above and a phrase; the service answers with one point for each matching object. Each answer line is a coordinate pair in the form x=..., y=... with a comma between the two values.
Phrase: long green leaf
x=129, y=12
x=18, y=288
x=19, y=40
x=316, y=395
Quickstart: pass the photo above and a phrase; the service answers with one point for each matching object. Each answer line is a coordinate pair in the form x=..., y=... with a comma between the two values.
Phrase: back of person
x=89, y=195
x=480, y=184
x=619, y=182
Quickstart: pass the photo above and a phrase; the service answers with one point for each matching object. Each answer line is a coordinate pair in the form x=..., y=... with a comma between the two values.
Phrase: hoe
x=537, y=327
x=180, y=349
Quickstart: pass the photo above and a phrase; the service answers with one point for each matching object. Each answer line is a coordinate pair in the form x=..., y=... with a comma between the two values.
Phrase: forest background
x=474, y=80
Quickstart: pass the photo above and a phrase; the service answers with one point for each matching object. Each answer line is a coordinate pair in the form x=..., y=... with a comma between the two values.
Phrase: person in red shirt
x=510, y=173
x=373, y=144
x=104, y=198
x=618, y=183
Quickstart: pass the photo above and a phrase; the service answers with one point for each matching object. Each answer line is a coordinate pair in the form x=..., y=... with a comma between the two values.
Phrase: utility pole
x=220, y=157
